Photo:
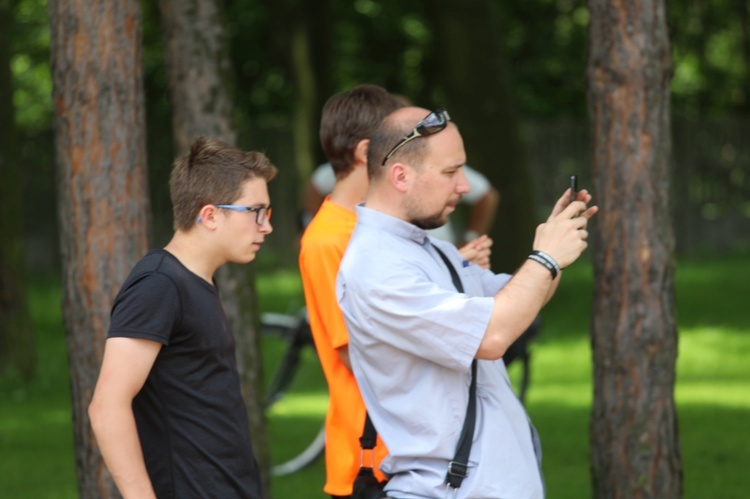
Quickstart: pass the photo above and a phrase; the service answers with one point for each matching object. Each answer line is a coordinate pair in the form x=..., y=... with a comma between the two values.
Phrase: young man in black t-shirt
x=167, y=410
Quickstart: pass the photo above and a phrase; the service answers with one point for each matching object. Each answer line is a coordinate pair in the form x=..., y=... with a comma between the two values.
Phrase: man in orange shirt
x=348, y=120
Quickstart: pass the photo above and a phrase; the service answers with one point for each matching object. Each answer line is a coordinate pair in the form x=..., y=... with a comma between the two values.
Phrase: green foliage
x=30, y=65
x=389, y=42
x=546, y=42
x=710, y=48
x=386, y=42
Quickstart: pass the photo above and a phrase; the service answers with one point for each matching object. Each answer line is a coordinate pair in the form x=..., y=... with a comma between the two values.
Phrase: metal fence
x=710, y=195
x=710, y=185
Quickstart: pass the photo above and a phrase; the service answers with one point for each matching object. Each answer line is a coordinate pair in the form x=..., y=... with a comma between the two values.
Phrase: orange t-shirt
x=322, y=248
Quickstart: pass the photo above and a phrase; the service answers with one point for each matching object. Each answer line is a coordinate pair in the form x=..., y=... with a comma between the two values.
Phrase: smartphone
x=573, y=187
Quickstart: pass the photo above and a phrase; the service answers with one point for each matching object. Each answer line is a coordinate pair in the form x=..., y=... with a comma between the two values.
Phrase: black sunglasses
x=432, y=124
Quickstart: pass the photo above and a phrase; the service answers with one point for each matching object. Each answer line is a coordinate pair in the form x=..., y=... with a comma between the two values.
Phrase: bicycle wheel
x=297, y=394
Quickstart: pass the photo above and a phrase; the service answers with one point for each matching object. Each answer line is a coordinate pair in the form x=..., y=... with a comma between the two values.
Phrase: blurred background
x=513, y=76
x=288, y=57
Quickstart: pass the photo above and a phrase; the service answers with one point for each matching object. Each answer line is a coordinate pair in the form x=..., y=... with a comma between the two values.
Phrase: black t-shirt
x=191, y=418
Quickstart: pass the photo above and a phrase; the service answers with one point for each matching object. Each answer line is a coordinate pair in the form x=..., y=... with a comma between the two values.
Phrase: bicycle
x=295, y=333
x=297, y=352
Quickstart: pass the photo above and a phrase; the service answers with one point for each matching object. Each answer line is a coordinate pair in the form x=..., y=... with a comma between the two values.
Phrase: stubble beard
x=431, y=222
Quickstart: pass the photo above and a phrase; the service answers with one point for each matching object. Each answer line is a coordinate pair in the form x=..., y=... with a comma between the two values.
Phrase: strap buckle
x=458, y=469
x=448, y=490
x=456, y=473
x=363, y=453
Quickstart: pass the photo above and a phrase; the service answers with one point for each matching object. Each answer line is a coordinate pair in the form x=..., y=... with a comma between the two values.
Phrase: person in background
x=413, y=336
x=347, y=121
x=167, y=411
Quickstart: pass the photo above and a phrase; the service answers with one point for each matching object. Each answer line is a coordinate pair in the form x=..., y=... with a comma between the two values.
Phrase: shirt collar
x=383, y=222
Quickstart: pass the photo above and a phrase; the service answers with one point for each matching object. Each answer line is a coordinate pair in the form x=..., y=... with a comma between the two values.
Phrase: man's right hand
x=563, y=236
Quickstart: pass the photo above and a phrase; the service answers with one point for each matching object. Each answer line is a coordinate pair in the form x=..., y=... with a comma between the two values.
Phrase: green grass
x=36, y=432
x=712, y=392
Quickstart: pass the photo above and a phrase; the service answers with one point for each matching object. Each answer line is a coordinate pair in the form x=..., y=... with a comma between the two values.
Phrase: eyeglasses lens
x=263, y=215
x=431, y=124
x=434, y=122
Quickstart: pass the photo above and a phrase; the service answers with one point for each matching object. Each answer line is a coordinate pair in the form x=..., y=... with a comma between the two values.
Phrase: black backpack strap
x=451, y=269
x=458, y=469
x=369, y=435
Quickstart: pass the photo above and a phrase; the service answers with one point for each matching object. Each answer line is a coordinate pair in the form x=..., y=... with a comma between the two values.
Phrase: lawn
x=712, y=392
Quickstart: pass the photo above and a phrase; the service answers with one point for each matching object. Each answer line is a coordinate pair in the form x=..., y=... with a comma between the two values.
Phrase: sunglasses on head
x=430, y=125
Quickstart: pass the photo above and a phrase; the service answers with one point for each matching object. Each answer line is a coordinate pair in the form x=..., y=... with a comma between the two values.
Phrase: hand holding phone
x=573, y=187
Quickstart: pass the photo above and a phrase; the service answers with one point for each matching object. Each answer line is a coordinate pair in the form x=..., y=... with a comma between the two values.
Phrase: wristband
x=548, y=258
x=547, y=261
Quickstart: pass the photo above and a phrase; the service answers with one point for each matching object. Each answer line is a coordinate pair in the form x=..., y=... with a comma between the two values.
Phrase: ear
x=400, y=176
x=360, y=151
x=207, y=216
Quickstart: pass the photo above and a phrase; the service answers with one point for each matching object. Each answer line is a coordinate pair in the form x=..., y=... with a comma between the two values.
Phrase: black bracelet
x=548, y=258
x=547, y=261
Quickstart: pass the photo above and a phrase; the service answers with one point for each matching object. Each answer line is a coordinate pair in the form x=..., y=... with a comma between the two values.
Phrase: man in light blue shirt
x=413, y=336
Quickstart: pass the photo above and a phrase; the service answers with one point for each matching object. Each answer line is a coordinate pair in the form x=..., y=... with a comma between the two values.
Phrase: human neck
x=352, y=189
x=187, y=248
x=385, y=201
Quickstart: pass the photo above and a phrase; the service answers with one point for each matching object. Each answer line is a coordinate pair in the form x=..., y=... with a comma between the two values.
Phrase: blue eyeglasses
x=262, y=213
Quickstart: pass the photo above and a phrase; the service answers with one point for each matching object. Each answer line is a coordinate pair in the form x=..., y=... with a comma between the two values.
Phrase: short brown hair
x=384, y=138
x=350, y=117
x=212, y=172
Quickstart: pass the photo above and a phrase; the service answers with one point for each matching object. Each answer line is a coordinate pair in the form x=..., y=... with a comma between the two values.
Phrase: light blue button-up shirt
x=412, y=338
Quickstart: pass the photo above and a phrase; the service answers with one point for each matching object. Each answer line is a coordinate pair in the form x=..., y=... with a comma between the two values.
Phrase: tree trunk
x=102, y=190
x=300, y=39
x=17, y=352
x=635, y=450
x=199, y=71
x=478, y=98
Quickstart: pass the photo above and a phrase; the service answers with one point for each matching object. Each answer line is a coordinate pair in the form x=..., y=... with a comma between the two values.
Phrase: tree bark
x=635, y=450
x=300, y=43
x=479, y=99
x=199, y=72
x=102, y=189
x=17, y=350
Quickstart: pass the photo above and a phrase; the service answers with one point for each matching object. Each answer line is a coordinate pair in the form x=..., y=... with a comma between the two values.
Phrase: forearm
x=482, y=214
x=516, y=306
x=558, y=243
x=117, y=437
x=553, y=287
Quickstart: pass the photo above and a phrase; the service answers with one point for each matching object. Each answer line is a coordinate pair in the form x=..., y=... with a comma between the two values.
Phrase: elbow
x=492, y=347
x=96, y=415
x=93, y=412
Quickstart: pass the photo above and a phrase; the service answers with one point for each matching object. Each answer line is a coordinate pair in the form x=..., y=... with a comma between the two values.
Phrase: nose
x=266, y=227
x=462, y=183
